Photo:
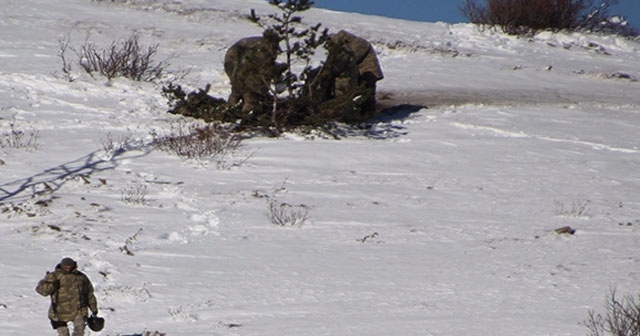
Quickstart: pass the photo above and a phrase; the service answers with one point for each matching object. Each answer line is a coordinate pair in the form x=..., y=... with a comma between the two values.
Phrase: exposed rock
x=565, y=230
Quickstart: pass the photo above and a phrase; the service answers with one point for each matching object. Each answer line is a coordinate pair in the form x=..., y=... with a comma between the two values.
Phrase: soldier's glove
x=50, y=278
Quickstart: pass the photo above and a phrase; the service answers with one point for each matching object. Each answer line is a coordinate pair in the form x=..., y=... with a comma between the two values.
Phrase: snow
x=443, y=224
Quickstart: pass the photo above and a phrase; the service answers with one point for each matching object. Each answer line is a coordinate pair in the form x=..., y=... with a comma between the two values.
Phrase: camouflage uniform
x=71, y=295
x=251, y=66
x=360, y=65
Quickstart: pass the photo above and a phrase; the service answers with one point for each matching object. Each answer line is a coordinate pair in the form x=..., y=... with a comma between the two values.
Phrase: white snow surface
x=441, y=224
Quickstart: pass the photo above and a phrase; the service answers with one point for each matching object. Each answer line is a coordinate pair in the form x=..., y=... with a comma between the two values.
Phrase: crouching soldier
x=71, y=295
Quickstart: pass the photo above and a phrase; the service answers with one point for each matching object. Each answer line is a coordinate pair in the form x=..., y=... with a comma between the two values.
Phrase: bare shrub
x=200, y=141
x=521, y=17
x=128, y=244
x=67, y=70
x=19, y=138
x=112, y=146
x=124, y=58
x=369, y=237
x=622, y=317
x=287, y=215
x=577, y=209
x=152, y=333
x=136, y=194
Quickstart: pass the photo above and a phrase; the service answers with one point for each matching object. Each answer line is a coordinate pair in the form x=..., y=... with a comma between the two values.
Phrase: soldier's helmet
x=95, y=323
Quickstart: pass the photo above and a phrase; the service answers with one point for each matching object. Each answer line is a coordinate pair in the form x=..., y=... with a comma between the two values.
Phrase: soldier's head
x=272, y=41
x=67, y=264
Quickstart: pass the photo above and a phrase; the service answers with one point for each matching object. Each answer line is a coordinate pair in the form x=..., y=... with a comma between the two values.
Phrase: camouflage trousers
x=78, y=327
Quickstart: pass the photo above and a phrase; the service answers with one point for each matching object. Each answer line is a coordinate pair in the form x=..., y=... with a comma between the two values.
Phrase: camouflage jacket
x=71, y=293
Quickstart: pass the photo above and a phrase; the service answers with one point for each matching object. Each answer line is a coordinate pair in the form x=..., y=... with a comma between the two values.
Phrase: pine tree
x=299, y=41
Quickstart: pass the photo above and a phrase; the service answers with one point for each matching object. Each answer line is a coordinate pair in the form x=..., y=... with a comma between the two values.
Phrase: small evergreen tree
x=300, y=91
x=299, y=44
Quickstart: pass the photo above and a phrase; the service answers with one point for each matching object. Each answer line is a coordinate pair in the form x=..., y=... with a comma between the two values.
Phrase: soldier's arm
x=48, y=285
x=93, y=303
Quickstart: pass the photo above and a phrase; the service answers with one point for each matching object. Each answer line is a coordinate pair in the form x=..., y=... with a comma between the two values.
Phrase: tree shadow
x=52, y=179
x=383, y=126
x=398, y=112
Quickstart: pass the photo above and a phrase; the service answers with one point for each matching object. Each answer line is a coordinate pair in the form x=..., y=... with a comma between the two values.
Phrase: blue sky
x=440, y=10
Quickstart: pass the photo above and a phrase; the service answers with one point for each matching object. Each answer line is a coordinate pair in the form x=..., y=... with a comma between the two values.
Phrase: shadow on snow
x=54, y=178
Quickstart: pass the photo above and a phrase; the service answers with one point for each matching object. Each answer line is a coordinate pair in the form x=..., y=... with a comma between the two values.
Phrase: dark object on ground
x=95, y=323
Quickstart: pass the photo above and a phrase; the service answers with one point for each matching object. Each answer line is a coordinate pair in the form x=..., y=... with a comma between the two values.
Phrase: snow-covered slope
x=441, y=225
